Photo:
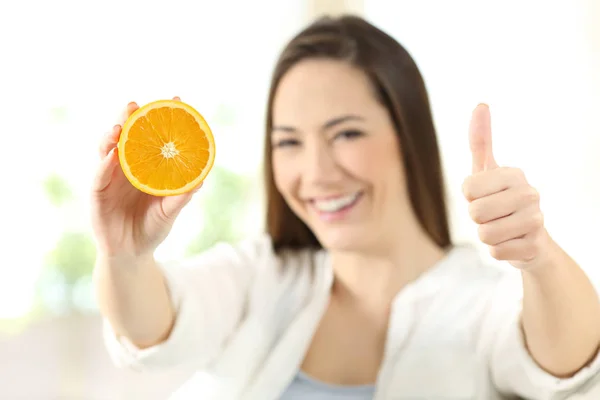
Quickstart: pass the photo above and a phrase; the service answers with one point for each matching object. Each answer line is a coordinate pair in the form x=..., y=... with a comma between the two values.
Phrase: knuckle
x=537, y=219
x=528, y=251
x=476, y=212
x=516, y=176
x=531, y=195
x=467, y=188
x=102, y=149
x=485, y=234
x=518, y=173
x=496, y=252
x=109, y=140
x=529, y=254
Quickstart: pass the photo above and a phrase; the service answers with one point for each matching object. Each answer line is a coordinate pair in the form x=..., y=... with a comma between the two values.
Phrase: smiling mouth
x=337, y=206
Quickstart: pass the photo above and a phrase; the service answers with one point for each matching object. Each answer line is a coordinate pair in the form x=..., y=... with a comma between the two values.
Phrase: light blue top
x=303, y=387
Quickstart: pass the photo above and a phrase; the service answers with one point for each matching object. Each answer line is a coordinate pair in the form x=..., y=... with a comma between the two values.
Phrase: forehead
x=316, y=90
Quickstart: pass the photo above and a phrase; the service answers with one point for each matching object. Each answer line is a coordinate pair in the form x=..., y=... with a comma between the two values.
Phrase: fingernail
x=116, y=128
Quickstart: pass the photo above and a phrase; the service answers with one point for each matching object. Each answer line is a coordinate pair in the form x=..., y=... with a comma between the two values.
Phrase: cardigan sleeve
x=209, y=293
x=513, y=369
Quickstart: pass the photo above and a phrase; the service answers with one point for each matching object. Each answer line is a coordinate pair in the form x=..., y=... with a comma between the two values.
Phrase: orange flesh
x=166, y=149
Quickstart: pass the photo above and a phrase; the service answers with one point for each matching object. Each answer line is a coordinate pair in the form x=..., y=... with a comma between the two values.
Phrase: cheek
x=284, y=173
x=370, y=160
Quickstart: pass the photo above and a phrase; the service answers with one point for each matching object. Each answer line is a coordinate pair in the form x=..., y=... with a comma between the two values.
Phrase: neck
x=374, y=278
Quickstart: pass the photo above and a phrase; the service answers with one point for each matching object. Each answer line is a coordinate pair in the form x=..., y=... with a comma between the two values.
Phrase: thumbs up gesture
x=502, y=202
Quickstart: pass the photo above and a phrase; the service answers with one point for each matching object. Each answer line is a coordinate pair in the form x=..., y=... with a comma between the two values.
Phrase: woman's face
x=336, y=158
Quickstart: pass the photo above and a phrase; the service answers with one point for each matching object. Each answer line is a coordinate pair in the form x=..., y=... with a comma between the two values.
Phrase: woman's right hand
x=127, y=222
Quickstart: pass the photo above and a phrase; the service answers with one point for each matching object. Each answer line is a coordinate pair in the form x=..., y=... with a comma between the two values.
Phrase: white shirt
x=245, y=318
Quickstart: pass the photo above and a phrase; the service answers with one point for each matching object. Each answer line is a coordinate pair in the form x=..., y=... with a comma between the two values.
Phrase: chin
x=344, y=239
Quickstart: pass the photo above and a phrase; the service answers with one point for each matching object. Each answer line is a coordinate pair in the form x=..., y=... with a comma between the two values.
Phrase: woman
x=357, y=291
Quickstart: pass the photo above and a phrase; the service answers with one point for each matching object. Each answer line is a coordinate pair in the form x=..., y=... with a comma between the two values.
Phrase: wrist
x=544, y=248
x=551, y=262
x=124, y=260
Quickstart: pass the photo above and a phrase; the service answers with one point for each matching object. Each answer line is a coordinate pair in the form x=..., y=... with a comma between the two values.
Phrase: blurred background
x=69, y=67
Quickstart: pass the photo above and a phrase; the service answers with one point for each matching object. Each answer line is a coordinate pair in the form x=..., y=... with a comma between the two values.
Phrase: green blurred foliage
x=224, y=115
x=57, y=190
x=223, y=207
x=59, y=114
x=72, y=259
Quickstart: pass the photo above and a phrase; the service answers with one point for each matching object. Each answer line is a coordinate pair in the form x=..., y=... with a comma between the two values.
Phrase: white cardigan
x=245, y=318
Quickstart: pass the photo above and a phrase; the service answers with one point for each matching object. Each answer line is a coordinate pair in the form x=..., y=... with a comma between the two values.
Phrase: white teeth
x=333, y=205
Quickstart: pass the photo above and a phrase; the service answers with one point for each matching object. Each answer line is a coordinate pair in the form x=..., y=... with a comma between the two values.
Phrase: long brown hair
x=400, y=87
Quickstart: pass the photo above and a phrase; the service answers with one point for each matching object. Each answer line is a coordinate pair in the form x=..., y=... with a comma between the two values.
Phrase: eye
x=349, y=134
x=285, y=143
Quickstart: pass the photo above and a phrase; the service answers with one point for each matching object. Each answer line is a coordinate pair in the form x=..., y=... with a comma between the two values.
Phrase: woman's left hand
x=502, y=203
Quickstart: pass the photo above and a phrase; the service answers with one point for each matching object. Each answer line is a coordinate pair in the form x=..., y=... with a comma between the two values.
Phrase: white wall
x=536, y=63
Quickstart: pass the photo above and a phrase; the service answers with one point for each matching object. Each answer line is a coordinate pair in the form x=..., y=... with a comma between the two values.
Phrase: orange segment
x=166, y=148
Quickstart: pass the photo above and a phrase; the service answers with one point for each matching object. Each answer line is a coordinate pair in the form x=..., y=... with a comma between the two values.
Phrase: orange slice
x=166, y=148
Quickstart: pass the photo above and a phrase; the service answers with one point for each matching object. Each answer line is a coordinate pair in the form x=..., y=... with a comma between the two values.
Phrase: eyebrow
x=329, y=124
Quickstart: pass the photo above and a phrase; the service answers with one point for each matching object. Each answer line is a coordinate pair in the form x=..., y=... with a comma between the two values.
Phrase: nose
x=320, y=164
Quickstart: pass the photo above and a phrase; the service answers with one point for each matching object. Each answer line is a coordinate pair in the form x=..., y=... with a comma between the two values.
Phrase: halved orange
x=166, y=148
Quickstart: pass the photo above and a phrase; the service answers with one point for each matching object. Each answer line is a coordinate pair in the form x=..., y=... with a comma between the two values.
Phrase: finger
x=112, y=138
x=105, y=171
x=522, y=250
x=514, y=226
x=491, y=208
x=130, y=109
x=172, y=205
x=109, y=141
x=494, y=181
x=502, y=204
x=480, y=139
x=177, y=98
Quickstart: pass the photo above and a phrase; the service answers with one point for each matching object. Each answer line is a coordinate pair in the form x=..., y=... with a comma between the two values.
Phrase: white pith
x=169, y=150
